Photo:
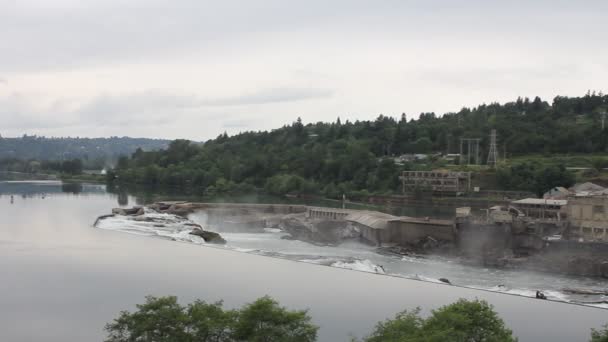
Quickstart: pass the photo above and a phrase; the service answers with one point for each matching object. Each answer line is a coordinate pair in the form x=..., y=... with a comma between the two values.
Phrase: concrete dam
x=375, y=227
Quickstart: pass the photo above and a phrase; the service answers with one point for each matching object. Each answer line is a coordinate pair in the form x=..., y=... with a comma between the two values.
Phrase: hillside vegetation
x=357, y=158
x=31, y=147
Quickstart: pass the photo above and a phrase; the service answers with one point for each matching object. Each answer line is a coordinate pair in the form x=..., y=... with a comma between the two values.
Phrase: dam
x=375, y=227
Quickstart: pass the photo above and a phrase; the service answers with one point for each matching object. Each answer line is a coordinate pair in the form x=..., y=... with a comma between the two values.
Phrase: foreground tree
x=264, y=320
x=406, y=326
x=600, y=335
x=466, y=321
x=159, y=319
x=210, y=322
x=165, y=320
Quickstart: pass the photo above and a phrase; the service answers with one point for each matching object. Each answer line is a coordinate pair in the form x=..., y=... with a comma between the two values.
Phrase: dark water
x=62, y=280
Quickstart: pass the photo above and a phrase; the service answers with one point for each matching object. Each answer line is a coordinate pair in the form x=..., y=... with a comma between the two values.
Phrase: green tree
x=406, y=326
x=473, y=321
x=210, y=322
x=158, y=319
x=265, y=321
x=600, y=335
x=163, y=319
x=463, y=321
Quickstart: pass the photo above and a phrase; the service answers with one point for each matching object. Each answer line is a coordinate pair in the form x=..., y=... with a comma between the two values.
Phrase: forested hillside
x=354, y=157
x=98, y=150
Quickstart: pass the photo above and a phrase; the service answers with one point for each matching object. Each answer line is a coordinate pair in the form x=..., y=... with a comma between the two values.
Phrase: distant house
x=559, y=192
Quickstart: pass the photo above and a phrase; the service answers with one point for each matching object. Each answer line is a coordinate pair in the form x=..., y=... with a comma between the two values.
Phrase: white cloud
x=195, y=68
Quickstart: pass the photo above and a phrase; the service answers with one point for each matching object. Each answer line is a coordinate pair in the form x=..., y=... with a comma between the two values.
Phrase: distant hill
x=87, y=149
x=336, y=158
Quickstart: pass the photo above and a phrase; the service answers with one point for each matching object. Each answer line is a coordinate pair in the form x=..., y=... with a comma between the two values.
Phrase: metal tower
x=472, y=150
x=493, y=154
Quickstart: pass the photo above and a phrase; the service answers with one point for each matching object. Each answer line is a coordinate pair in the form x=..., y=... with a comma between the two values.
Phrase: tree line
x=357, y=158
x=265, y=320
x=69, y=167
x=98, y=151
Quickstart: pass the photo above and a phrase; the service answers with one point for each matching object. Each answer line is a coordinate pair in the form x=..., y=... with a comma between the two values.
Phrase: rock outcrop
x=209, y=237
x=325, y=232
x=163, y=216
x=135, y=211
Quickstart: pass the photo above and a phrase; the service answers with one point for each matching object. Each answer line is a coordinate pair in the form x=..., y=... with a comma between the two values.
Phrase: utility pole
x=472, y=147
x=493, y=154
x=449, y=143
x=461, y=155
x=476, y=151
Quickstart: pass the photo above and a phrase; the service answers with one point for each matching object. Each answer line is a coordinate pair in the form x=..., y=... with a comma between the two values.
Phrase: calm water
x=62, y=279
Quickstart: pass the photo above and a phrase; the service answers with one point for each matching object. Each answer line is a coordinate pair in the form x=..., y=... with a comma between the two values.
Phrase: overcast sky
x=195, y=68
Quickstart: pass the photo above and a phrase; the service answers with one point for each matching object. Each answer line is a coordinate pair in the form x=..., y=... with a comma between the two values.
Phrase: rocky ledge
x=210, y=237
x=153, y=219
x=321, y=232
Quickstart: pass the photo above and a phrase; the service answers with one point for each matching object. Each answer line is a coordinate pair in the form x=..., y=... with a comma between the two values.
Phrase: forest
x=95, y=152
x=358, y=158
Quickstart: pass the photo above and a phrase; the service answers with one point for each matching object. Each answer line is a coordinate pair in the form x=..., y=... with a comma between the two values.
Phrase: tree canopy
x=164, y=319
x=599, y=335
x=88, y=149
x=463, y=321
x=352, y=157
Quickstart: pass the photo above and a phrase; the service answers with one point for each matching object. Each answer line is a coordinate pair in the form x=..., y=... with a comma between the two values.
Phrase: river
x=63, y=279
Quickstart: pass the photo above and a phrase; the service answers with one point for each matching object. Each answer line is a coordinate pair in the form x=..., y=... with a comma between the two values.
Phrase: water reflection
x=40, y=189
x=71, y=188
x=123, y=199
x=58, y=267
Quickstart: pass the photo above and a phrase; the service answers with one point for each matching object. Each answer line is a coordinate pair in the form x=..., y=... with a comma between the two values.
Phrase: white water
x=364, y=258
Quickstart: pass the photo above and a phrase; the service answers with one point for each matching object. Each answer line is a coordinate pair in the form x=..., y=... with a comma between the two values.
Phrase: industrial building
x=436, y=181
x=543, y=209
x=588, y=217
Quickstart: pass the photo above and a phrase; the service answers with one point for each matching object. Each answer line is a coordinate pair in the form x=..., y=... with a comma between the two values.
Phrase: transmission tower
x=493, y=154
x=472, y=150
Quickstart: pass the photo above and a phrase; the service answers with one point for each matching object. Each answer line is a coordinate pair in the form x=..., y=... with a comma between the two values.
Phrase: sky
x=194, y=68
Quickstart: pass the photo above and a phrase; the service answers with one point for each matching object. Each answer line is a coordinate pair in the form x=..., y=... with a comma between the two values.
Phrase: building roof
x=541, y=201
x=372, y=219
x=587, y=186
x=558, y=192
x=591, y=193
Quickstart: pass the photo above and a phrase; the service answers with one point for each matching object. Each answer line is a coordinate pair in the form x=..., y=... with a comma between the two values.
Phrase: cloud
x=153, y=107
x=268, y=96
x=243, y=124
x=211, y=66
x=497, y=76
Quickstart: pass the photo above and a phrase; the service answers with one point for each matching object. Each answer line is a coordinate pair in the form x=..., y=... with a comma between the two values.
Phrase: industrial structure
x=588, y=217
x=436, y=181
x=493, y=151
x=542, y=208
x=472, y=148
